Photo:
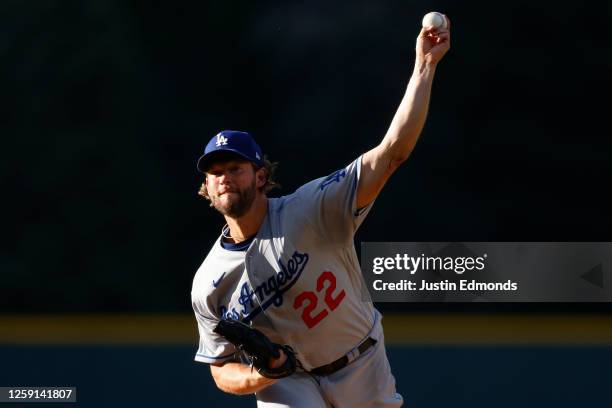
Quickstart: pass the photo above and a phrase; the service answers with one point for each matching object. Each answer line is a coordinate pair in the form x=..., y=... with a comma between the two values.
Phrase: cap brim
x=205, y=160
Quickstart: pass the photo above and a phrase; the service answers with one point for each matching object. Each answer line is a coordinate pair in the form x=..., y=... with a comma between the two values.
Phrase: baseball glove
x=258, y=348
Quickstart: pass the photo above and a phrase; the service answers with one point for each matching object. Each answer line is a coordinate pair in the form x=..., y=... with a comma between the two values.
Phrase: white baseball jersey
x=299, y=280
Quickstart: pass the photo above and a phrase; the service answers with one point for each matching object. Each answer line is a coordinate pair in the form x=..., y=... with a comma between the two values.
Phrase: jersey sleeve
x=330, y=204
x=212, y=347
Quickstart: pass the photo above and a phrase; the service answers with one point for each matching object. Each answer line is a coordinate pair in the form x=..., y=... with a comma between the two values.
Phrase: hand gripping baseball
x=258, y=348
x=433, y=41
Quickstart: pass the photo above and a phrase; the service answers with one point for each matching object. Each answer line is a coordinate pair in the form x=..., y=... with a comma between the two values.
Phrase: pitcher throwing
x=284, y=277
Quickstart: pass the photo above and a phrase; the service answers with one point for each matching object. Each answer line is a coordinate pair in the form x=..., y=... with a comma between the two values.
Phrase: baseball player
x=288, y=268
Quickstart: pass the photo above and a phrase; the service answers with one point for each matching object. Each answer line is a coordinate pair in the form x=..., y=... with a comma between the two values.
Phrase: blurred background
x=108, y=104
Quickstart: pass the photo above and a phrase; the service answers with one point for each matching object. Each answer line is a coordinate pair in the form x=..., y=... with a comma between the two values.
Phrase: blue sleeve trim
x=215, y=358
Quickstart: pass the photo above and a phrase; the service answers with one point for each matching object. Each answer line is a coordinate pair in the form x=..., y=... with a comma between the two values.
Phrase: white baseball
x=435, y=19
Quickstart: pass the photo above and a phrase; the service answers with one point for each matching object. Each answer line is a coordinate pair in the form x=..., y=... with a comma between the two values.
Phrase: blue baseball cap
x=241, y=143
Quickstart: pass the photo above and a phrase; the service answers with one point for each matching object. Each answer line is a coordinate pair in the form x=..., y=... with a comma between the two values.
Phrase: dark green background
x=108, y=104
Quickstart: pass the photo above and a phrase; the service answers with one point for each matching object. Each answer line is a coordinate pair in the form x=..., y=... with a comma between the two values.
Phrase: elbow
x=233, y=391
x=240, y=390
x=399, y=160
x=229, y=381
x=217, y=373
x=396, y=161
x=397, y=155
x=219, y=382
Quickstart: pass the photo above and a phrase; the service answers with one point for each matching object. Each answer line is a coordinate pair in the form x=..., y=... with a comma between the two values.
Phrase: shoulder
x=213, y=257
x=318, y=184
x=293, y=206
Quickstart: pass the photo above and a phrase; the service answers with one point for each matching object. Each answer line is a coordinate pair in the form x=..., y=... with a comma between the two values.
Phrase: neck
x=241, y=229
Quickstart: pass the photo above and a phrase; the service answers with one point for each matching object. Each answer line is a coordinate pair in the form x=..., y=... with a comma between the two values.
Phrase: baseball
x=435, y=19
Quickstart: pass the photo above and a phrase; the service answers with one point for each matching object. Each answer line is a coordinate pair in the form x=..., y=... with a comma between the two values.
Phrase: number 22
x=312, y=300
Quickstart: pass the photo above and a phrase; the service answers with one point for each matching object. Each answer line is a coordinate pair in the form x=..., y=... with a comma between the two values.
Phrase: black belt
x=344, y=360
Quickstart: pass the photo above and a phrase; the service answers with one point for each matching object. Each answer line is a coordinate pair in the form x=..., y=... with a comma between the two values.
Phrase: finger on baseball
x=448, y=23
x=427, y=31
x=444, y=40
x=445, y=36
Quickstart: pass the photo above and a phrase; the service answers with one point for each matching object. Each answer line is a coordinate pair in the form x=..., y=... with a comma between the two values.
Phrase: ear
x=204, y=188
x=261, y=176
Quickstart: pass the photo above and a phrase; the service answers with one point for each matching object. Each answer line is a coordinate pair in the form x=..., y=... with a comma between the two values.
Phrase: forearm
x=378, y=164
x=410, y=117
x=238, y=378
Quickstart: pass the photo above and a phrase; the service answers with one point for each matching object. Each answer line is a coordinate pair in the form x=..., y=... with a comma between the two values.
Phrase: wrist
x=424, y=68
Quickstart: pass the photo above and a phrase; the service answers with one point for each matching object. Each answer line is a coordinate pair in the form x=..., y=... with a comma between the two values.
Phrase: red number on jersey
x=330, y=300
x=312, y=299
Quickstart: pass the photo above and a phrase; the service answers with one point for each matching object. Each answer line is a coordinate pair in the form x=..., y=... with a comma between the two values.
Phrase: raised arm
x=378, y=164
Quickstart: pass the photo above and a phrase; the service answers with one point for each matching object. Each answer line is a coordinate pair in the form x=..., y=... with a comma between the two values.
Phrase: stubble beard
x=239, y=206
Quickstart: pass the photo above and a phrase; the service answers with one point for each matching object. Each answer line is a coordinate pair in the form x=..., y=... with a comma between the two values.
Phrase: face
x=232, y=186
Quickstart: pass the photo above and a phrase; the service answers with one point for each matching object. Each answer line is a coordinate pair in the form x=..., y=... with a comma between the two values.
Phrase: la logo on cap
x=221, y=140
